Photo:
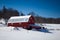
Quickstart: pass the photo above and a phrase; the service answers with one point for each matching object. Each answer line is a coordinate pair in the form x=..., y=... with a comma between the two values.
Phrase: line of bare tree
x=7, y=13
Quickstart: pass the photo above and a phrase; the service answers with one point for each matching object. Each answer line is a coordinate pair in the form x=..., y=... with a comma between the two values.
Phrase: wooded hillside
x=7, y=13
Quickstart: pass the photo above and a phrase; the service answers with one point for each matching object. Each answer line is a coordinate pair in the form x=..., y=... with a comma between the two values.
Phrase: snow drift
x=7, y=33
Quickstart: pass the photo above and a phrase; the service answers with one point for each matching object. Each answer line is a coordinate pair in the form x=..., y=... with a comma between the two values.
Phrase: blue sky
x=44, y=8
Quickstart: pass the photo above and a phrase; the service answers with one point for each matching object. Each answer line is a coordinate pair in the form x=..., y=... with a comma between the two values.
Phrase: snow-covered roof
x=14, y=17
x=19, y=19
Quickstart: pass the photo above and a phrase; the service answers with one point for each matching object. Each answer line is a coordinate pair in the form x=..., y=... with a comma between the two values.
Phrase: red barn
x=21, y=21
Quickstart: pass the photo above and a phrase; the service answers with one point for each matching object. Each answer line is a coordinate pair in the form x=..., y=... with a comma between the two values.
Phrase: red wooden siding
x=23, y=24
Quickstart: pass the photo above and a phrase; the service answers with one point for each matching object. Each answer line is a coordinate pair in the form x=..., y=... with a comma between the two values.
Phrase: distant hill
x=7, y=13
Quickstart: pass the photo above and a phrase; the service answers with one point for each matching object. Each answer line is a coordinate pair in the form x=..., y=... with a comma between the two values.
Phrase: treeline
x=47, y=20
x=7, y=13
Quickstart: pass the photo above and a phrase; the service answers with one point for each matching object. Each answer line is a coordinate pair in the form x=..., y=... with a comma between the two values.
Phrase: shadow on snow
x=45, y=30
x=42, y=30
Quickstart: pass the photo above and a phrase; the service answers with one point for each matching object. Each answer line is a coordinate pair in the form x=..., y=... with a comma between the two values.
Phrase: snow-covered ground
x=7, y=33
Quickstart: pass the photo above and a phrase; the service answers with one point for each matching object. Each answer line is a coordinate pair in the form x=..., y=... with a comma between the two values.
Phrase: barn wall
x=23, y=24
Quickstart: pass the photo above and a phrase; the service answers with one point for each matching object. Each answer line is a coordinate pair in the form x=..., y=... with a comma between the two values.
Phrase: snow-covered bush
x=2, y=21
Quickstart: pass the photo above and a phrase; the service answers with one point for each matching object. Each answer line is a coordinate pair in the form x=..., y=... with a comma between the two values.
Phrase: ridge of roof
x=14, y=17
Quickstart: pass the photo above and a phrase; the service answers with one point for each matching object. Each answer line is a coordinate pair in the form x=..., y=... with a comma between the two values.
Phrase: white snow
x=2, y=21
x=7, y=33
x=19, y=19
x=14, y=17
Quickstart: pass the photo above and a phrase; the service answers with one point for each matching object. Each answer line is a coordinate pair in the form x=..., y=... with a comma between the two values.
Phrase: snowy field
x=7, y=33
